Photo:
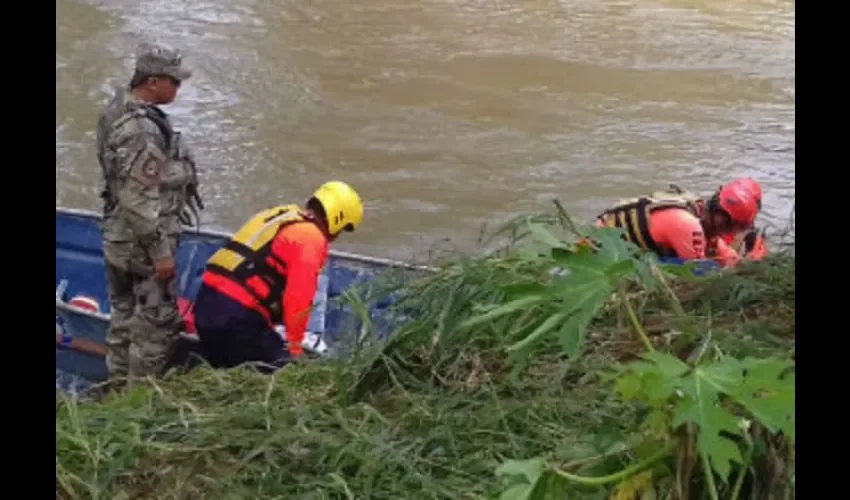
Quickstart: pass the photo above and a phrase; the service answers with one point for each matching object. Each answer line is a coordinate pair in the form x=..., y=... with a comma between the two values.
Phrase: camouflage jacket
x=149, y=174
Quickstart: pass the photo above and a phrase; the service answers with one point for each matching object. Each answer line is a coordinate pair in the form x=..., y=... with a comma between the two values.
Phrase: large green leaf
x=585, y=302
x=612, y=246
x=655, y=379
x=701, y=407
x=572, y=298
x=756, y=384
x=522, y=476
x=760, y=386
x=543, y=235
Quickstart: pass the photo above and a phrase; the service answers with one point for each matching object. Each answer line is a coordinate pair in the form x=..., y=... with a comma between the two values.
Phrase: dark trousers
x=232, y=334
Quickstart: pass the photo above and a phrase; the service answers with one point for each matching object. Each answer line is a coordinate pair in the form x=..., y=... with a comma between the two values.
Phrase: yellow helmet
x=342, y=206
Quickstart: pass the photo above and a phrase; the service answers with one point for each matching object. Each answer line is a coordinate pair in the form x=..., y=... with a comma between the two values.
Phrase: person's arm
x=725, y=255
x=140, y=163
x=301, y=248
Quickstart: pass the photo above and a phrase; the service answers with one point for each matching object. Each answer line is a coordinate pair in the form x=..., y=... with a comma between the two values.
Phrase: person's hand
x=164, y=268
x=757, y=248
x=294, y=351
x=313, y=343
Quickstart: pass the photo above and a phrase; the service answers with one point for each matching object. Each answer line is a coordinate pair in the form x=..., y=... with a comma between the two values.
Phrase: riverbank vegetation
x=542, y=371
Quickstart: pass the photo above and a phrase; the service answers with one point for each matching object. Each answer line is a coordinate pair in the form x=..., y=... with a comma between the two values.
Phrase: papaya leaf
x=655, y=379
x=762, y=390
x=612, y=246
x=532, y=253
x=580, y=296
x=629, y=386
x=700, y=406
x=561, y=254
x=585, y=304
x=529, y=470
x=620, y=269
x=584, y=266
x=643, y=271
x=670, y=366
x=696, y=392
x=543, y=235
x=522, y=477
x=711, y=420
x=518, y=492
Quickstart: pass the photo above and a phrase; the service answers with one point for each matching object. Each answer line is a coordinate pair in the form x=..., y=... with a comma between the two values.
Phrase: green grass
x=431, y=415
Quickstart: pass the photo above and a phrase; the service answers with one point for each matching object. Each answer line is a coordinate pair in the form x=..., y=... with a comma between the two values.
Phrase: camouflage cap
x=154, y=60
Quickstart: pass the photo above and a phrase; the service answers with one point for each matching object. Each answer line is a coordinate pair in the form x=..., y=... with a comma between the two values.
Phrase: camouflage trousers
x=144, y=320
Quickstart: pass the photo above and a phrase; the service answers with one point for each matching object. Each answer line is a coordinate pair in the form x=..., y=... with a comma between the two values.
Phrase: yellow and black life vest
x=632, y=215
x=248, y=256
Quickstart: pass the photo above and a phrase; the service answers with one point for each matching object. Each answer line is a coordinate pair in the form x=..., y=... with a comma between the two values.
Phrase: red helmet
x=752, y=185
x=740, y=201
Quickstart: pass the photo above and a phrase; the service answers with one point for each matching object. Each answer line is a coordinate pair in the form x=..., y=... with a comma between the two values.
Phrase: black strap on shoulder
x=255, y=266
x=160, y=119
x=239, y=248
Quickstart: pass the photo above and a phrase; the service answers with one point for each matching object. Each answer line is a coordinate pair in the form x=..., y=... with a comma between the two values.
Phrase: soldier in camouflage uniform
x=150, y=189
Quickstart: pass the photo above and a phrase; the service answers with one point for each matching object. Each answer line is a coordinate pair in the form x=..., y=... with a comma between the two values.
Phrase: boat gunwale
x=363, y=259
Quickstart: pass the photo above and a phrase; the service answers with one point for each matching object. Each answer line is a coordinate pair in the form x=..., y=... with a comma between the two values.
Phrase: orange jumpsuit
x=295, y=258
x=681, y=232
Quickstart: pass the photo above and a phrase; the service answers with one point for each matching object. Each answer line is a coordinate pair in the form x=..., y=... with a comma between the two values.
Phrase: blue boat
x=82, y=307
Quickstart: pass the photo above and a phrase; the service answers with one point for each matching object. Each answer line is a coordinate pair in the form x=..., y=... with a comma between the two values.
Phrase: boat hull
x=80, y=275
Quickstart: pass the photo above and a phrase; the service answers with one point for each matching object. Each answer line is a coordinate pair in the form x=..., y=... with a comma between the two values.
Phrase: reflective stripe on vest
x=633, y=217
x=247, y=258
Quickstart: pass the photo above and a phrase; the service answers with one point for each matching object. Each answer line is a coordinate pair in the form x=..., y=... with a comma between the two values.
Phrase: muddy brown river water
x=445, y=114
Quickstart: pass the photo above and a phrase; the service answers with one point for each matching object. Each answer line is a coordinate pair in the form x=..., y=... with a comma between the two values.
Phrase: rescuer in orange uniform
x=678, y=224
x=268, y=272
x=748, y=242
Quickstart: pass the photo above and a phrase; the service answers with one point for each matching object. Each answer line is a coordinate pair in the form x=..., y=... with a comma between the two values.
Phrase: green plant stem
x=709, y=476
x=790, y=488
x=634, y=319
x=673, y=300
x=739, y=482
x=565, y=218
x=617, y=476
